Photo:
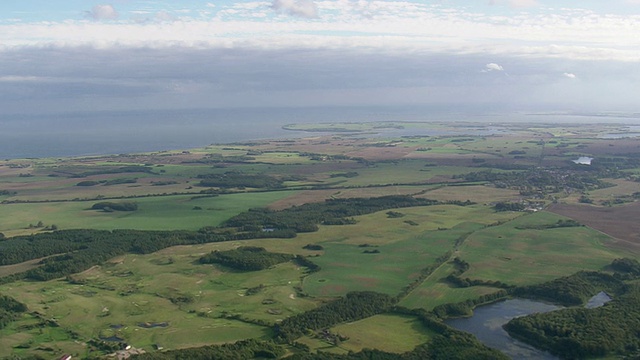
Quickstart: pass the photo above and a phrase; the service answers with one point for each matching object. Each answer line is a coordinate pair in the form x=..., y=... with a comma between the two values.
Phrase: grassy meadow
x=154, y=213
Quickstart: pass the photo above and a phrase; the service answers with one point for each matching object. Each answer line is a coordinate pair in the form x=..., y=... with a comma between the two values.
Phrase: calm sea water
x=78, y=134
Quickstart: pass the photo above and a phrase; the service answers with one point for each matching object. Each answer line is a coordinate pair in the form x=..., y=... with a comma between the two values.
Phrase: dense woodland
x=241, y=350
x=115, y=206
x=246, y=258
x=354, y=306
x=579, y=332
x=573, y=290
x=307, y=217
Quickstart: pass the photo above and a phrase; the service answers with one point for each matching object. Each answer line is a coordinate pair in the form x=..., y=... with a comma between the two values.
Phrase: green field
x=395, y=333
x=154, y=213
x=517, y=256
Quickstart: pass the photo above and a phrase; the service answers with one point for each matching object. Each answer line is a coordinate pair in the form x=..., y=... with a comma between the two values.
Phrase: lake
x=487, y=320
x=486, y=324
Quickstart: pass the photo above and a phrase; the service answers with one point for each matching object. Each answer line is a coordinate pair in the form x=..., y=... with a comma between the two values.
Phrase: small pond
x=600, y=299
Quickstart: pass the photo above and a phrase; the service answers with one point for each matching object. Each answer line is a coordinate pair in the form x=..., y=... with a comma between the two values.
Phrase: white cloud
x=492, y=67
x=302, y=8
x=569, y=75
x=103, y=12
x=523, y=3
x=515, y=3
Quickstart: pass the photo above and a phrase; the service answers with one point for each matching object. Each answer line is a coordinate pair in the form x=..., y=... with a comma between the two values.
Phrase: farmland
x=393, y=214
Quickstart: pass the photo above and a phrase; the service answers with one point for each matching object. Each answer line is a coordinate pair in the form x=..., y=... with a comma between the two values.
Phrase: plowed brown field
x=621, y=222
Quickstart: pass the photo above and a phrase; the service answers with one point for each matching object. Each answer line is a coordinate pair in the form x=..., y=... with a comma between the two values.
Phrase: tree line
x=307, y=217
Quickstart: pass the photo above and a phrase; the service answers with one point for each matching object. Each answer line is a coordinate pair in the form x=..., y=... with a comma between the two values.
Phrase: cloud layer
x=401, y=26
x=517, y=54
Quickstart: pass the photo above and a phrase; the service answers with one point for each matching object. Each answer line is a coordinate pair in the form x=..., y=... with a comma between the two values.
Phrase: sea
x=119, y=132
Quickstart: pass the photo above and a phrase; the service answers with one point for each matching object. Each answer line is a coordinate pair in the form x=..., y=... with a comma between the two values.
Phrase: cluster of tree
x=572, y=290
x=508, y=206
x=120, y=181
x=460, y=265
x=303, y=261
x=465, y=308
x=559, y=224
x=246, y=258
x=354, y=306
x=307, y=217
x=460, y=282
x=349, y=174
x=10, y=310
x=81, y=249
x=244, y=349
x=115, y=170
x=88, y=183
x=6, y=193
x=110, y=206
x=578, y=333
x=163, y=183
x=394, y=214
x=233, y=179
x=626, y=265
x=107, y=182
x=254, y=290
x=313, y=247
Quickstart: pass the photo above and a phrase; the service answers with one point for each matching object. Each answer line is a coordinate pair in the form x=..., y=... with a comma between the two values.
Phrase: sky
x=519, y=55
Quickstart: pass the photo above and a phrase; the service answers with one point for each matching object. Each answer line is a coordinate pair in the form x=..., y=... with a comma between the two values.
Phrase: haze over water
x=116, y=132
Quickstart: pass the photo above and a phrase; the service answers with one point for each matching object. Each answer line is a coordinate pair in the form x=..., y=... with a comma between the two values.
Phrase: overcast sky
x=79, y=55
